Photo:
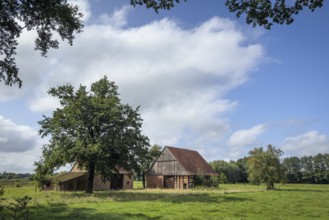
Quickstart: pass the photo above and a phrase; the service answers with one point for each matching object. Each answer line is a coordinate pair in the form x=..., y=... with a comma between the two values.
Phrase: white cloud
x=16, y=138
x=117, y=19
x=178, y=76
x=306, y=144
x=243, y=138
x=19, y=162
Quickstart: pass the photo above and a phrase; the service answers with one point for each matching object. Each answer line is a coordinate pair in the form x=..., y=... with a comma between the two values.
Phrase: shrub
x=214, y=181
x=222, y=178
x=1, y=199
x=19, y=208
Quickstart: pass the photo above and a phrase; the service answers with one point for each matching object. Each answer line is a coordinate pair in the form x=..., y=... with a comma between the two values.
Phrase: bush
x=17, y=210
x=222, y=178
x=1, y=199
x=214, y=181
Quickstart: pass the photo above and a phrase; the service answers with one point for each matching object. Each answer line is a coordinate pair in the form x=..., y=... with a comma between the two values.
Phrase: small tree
x=19, y=208
x=264, y=166
x=222, y=178
x=151, y=155
x=1, y=205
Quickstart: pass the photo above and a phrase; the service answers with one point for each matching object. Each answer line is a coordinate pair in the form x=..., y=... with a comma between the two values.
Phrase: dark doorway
x=117, y=181
x=169, y=182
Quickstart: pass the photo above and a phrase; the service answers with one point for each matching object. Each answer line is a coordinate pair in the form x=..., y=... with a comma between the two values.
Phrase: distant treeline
x=15, y=176
x=307, y=169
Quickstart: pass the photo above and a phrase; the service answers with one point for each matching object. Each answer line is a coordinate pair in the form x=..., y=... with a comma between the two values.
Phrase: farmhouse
x=76, y=180
x=177, y=168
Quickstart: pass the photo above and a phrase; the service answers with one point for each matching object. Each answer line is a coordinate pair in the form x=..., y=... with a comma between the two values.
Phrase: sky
x=204, y=80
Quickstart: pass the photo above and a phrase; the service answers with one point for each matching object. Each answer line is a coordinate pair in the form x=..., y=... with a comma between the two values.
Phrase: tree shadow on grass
x=304, y=190
x=122, y=196
x=63, y=211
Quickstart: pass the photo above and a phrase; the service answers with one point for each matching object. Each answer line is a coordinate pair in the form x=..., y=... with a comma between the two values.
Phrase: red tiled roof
x=192, y=161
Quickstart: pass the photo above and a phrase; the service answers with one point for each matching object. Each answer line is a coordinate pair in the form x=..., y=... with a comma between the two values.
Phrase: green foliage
x=266, y=12
x=1, y=200
x=234, y=171
x=46, y=17
x=307, y=169
x=263, y=13
x=42, y=176
x=201, y=180
x=145, y=162
x=222, y=178
x=264, y=166
x=214, y=181
x=93, y=129
x=19, y=208
x=292, y=169
x=14, y=176
x=156, y=4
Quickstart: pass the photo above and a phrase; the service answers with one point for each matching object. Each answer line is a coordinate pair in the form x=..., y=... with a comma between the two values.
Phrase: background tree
x=229, y=169
x=234, y=171
x=257, y=12
x=307, y=169
x=292, y=169
x=151, y=155
x=264, y=166
x=243, y=169
x=315, y=169
x=93, y=129
x=44, y=16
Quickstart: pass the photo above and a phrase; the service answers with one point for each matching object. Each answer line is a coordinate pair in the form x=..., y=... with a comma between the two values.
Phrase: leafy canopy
x=93, y=129
x=258, y=12
x=44, y=16
x=264, y=166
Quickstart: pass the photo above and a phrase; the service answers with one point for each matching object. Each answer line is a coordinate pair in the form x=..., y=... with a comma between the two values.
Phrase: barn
x=177, y=168
x=76, y=180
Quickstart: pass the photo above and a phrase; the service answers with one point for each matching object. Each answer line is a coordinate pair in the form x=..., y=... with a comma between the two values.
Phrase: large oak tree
x=93, y=129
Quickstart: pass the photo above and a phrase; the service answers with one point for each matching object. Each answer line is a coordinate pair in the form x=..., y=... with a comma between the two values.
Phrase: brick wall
x=154, y=182
x=127, y=181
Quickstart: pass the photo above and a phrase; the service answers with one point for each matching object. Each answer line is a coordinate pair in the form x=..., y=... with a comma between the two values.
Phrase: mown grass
x=227, y=202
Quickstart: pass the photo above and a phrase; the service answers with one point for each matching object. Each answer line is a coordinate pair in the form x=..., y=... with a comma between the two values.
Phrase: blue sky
x=204, y=79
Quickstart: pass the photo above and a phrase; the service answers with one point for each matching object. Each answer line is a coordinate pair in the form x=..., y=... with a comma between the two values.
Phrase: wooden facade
x=177, y=168
x=76, y=180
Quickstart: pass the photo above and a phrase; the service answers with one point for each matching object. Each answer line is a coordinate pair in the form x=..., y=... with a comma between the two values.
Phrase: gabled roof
x=70, y=176
x=75, y=168
x=192, y=161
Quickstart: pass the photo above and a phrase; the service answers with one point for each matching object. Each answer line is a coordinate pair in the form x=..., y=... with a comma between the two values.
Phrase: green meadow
x=231, y=201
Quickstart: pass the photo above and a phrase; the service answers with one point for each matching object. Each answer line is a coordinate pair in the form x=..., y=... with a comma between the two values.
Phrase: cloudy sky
x=204, y=80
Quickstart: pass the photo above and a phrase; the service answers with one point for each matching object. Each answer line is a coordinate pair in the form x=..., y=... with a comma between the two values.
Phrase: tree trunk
x=269, y=185
x=143, y=179
x=90, y=180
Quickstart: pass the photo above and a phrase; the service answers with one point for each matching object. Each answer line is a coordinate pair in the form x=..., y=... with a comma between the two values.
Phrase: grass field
x=227, y=202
